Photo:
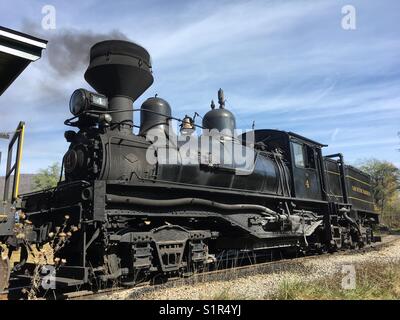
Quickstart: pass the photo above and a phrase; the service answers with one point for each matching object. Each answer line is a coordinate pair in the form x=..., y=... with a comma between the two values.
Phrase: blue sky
x=285, y=64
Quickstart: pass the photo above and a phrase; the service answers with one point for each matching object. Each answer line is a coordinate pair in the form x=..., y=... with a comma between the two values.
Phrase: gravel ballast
x=261, y=286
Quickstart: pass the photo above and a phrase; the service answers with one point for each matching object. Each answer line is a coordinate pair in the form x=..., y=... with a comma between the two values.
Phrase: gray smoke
x=68, y=49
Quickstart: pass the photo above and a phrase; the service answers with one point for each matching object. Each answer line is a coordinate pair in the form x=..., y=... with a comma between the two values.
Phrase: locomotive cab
x=303, y=158
x=306, y=169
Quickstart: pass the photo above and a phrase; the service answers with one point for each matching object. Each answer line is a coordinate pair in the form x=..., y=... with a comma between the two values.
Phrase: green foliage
x=385, y=179
x=47, y=178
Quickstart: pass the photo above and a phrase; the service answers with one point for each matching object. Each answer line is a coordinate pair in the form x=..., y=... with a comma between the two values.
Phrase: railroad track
x=220, y=275
x=217, y=275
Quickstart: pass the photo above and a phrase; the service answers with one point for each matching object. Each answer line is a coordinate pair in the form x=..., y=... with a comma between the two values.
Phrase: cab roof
x=263, y=134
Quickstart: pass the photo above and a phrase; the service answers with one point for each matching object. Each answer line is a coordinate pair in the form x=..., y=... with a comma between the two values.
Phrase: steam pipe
x=350, y=220
x=186, y=201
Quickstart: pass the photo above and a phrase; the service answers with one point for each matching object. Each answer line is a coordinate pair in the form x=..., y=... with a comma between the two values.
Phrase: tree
x=47, y=178
x=385, y=181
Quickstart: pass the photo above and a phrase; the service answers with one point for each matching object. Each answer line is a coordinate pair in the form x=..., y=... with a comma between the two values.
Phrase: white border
x=19, y=53
x=22, y=39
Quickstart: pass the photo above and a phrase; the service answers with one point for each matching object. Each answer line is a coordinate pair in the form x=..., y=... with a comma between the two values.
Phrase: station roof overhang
x=17, y=51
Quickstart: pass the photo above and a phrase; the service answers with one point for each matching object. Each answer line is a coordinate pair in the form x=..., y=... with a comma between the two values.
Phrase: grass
x=373, y=282
x=34, y=256
x=225, y=294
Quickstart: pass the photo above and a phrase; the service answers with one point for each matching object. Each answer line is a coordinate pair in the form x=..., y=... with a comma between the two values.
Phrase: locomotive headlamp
x=83, y=100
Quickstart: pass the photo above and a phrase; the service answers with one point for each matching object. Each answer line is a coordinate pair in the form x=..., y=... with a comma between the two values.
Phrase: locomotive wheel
x=4, y=272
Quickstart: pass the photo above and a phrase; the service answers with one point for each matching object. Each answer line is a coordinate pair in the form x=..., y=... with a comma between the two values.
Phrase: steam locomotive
x=125, y=211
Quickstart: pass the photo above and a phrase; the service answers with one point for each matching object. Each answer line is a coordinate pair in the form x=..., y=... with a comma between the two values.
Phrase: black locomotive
x=119, y=217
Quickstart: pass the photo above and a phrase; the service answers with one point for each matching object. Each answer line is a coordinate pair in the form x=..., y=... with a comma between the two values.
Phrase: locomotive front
x=120, y=72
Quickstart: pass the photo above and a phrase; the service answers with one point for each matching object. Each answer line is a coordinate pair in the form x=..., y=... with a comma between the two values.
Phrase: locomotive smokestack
x=120, y=70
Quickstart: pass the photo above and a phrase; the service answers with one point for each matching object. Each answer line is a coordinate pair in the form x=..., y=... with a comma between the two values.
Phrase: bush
x=47, y=178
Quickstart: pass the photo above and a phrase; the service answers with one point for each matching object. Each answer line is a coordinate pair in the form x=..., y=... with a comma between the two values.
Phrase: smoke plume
x=68, y=49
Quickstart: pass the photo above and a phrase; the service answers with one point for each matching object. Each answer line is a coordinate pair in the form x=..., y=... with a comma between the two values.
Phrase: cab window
x=304, y=156
x=310, y=157
x=298, y=154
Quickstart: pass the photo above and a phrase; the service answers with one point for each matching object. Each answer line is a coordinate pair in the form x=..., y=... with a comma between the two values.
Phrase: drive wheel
x=4, y=272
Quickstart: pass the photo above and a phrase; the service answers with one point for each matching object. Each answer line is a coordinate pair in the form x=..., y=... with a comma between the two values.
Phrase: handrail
x=15, y=168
